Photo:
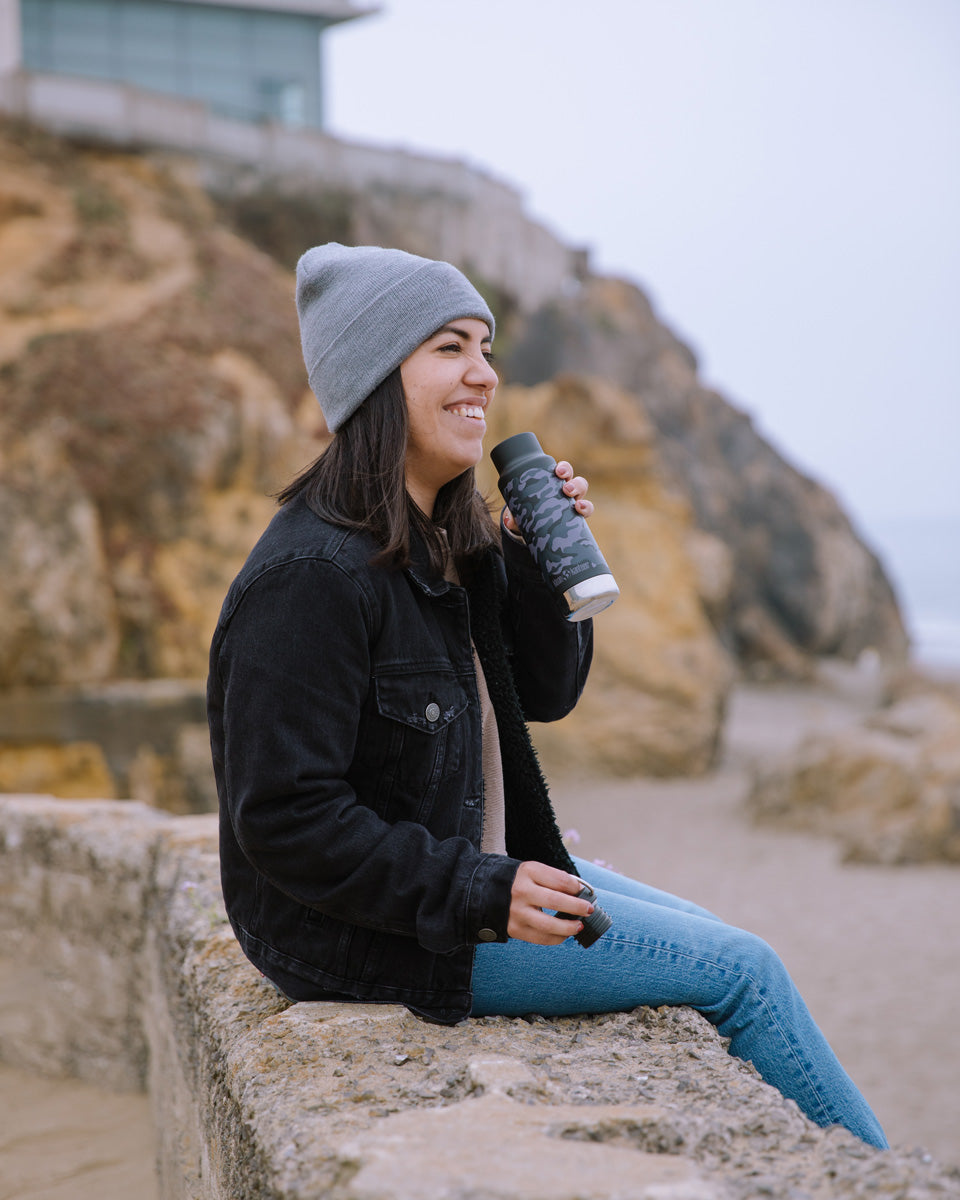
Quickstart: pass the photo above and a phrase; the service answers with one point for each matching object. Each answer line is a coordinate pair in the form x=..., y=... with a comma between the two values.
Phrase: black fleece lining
x=531, y=826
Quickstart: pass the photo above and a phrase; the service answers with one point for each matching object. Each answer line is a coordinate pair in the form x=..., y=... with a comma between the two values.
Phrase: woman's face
x=449, y=382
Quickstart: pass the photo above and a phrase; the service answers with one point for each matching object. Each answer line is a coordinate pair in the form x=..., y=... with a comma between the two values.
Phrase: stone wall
x=117, y=966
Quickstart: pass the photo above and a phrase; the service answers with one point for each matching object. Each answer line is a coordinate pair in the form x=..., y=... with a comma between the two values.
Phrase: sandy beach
x=873, y=949
x=65, y=1140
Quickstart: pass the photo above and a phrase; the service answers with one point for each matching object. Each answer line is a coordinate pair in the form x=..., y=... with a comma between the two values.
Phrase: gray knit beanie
x=363, y=310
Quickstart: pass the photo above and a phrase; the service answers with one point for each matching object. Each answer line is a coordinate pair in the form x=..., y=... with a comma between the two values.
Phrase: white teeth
x=468, y=410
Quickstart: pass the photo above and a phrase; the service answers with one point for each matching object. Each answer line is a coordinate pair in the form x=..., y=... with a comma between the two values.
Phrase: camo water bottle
x=556, y=535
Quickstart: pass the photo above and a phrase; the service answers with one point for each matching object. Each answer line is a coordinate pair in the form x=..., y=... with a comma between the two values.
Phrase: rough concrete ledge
x=118, y=965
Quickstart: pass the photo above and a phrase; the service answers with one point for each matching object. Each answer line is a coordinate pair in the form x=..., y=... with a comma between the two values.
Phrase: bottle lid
x=513, y=449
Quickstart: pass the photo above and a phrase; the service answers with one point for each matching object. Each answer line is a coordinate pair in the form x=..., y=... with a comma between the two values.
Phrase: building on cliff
x=250, y=60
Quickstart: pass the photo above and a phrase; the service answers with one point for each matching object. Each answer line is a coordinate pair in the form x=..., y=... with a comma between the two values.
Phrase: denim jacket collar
x=420, y=571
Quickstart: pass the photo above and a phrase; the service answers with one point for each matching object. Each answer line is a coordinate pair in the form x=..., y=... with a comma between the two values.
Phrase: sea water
x=921, y=556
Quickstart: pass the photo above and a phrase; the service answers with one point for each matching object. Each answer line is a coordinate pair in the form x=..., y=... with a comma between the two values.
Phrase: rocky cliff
x=660, y=677
x=151, y=381
x=154, y=396
x=803, y=585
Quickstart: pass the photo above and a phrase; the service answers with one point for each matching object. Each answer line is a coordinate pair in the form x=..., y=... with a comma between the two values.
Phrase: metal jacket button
x=487, y=935
x=432, y=712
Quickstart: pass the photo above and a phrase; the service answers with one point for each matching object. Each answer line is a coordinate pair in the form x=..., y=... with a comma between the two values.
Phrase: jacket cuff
x=507, y=534
x=488, y=901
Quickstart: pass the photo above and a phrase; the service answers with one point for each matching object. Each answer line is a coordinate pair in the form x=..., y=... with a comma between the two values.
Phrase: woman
x=386, y=833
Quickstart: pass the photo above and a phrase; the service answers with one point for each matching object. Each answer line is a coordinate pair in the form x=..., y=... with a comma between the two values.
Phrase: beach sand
x=873, y=949
x=65, y=1140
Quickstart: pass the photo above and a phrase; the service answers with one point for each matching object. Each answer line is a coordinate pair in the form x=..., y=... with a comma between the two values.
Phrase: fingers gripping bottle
x=557, y=536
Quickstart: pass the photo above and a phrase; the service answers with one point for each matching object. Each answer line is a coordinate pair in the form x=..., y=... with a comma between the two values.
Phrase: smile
x=474, y=411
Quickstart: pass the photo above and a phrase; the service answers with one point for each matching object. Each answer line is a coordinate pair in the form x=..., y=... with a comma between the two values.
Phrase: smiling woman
x=448, y=382
x=385, y=831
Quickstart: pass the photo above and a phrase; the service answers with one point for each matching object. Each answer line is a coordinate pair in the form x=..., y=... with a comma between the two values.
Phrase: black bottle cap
x=514, y=449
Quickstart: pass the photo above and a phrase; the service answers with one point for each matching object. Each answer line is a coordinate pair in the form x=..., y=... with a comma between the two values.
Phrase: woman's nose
x=482, y=374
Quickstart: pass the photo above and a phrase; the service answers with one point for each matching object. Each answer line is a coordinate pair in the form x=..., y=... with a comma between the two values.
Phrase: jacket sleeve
x=550, y=655
x=293, y=665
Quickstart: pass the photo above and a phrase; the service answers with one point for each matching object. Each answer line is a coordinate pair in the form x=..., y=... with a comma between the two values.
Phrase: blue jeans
x=663, y=950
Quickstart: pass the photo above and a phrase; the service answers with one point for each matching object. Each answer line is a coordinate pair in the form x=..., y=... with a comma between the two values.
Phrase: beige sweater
x=494, y=837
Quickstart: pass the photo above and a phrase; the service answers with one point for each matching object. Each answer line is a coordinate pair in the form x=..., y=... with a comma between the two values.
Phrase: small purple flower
x=572, y=836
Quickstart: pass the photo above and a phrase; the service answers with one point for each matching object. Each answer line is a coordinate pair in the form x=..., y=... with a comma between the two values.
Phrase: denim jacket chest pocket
x=423, y=715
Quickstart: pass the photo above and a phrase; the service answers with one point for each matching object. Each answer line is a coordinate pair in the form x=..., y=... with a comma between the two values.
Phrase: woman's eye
x=489, y=356
x=451, y=346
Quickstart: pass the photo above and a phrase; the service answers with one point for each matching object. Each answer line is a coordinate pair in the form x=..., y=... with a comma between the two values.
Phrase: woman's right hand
x=536, y=887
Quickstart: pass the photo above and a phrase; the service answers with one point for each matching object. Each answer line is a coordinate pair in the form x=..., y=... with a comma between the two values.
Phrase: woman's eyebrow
x=461, y=333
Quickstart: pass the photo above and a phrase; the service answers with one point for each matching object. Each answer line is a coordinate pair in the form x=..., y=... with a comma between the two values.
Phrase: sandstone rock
x=713, y=566
x=75, y=770
x=148, y=411
x=58, y=618
x=889, y=789
x=655, y=699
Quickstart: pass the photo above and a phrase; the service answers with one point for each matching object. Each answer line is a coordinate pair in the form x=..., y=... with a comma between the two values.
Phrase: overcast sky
x=781, y=177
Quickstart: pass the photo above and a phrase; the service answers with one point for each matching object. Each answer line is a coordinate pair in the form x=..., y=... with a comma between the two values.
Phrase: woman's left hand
x=574, y=486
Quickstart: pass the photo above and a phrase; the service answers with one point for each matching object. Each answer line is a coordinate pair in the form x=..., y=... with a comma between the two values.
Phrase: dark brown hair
x=359, y=482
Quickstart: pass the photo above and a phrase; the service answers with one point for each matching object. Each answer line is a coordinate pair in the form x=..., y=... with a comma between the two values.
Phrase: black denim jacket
x=345, y=728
